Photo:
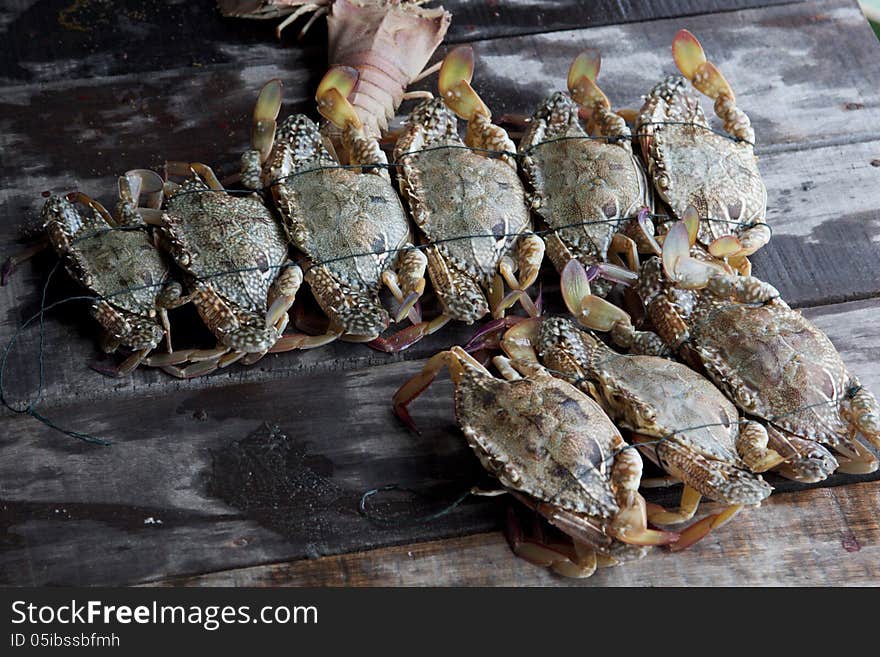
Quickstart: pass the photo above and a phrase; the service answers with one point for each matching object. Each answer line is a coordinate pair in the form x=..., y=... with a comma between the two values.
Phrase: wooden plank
x=229, y=493
x=823, y=223
x=51, y=40
x=832, y=538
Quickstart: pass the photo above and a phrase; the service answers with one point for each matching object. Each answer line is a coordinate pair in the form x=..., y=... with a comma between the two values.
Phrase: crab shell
x=575, y=179
x=351, y=225
x=544, y=438
x=123, y=267
x=234, y=249
x=767, y=358
x=696, y=424
x=692, y=166
x=470, y=206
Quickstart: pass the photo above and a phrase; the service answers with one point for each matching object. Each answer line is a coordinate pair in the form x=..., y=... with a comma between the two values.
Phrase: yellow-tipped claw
x=265, y=112
x=342, y=78
x=582, y=80
x=691, y=61
x=454, y=84
x=600, y=315
x=332, y=97
x=518, y=341
x=687, y=53
x=575, y=286
x=725, y=247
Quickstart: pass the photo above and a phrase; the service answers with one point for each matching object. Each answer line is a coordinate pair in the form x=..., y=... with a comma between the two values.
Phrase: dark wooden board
x=832, y=537
x=230, y=493
x=818, y=158
x=51, y=40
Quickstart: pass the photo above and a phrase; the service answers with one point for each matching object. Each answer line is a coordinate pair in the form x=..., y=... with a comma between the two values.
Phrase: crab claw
x=453, y=83
x=265, y=112
x=575, y=286
x=488, y=336
x=582, y=80
x=646, y=231
x=143, y=187
x=631, y=526
x=676, y=247
x=332, y=97
x=691, y=219
x=519, y=341
x=691, y=61
x=726, y=247
x=601, y=315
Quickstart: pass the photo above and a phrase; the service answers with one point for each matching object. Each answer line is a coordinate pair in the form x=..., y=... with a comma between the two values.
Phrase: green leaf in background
x=871, y=9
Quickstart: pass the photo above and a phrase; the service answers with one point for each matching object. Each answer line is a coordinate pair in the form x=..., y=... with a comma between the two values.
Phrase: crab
x=236, y=254
x=347, y=219
x=768, y=359
x=116, y=258
x=469, y=204
x=588, y=190
x=551, y=447
x=692, y=165
x=683, y=422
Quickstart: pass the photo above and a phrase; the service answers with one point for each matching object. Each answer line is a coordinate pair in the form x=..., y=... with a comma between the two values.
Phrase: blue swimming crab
x=693, y=166
x=589, y=188
x=468, y=201
x=346, y=218
x=683, y=423
x=116, y=258
x=552, y=448
x=235, y=253
x=773, y=363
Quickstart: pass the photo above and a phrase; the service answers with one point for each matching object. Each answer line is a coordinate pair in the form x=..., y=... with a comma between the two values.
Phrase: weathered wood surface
x=230, y=493
x=48, y=40
x=194, y=483
x=837, y=527
x=815, y=113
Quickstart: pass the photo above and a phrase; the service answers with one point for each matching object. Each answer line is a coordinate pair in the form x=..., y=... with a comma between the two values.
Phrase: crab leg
x=701, y=528
x=578, y=560
x=13, y=261
x=687, y=507
x=457, y=360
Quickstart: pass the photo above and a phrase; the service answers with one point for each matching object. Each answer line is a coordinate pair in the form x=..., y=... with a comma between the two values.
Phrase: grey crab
x=347, y=219
x=236, y=255
x=693, y=166
x=772, y=362
x=116, y=258
x=552, y=448
x=683, y=423
x=468, y=201
x=588, y=188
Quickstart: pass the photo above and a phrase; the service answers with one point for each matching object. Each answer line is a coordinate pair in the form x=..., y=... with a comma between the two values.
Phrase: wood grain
x=231, y=493
x=48, y=40
x=832, y=537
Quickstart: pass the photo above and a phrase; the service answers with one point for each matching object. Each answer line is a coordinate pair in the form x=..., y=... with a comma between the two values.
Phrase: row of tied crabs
x=757, y=386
